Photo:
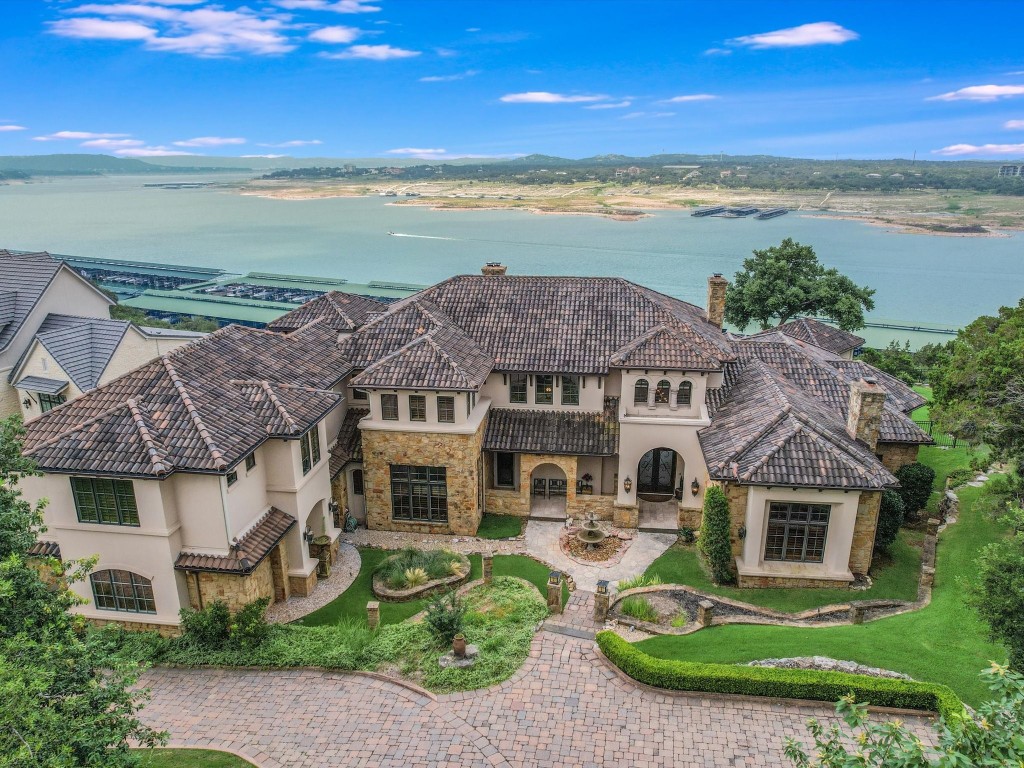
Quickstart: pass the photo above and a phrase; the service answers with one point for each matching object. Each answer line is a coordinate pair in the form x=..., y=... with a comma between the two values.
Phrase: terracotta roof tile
x=248, y=553
x=559, y=432
x=343, y=312
x=823, y=335
x=45, y=549
x=349, y=446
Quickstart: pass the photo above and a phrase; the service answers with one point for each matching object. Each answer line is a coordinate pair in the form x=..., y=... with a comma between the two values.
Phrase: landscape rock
x=826, y=664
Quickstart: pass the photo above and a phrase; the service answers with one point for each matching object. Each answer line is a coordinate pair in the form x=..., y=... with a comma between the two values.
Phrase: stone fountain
x=590, y=533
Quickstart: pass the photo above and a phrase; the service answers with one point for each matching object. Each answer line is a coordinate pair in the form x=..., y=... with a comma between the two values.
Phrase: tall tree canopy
x=979, y=391
x=785, y=280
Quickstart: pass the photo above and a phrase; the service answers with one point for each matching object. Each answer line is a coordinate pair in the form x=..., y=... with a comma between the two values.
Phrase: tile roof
x=344, y=312
x=515, y=430
x=202, y=407
x=821, y=334
x=558, y=324
x=442, y=358
x=249, y=551
x=43, y=548
x=349, y=446
x=768, y=432
x=41, y=384
x=82, y=346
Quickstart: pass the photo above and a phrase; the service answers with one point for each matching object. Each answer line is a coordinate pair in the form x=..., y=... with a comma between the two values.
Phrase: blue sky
x=446, y=78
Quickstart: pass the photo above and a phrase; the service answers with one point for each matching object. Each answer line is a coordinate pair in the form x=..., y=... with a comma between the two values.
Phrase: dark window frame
x=389, y=407
x=446, y=409
x=309, y=447
x=122, y=591
x=250, y=462
x=360, y=394
x=684, y=395
x=570, y=390
x=544, y=394
x=419, y=494
x=417, y=407
x=518, y=389
x=641, y=386
x=500, y=457
x=49, y=402
x=232, y=477
x=358, y=488
x=663, y=392
x=794, y=526
x=116, y=511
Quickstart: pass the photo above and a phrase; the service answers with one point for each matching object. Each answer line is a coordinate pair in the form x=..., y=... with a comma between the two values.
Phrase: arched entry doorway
x=656, y=475
x=548, y=488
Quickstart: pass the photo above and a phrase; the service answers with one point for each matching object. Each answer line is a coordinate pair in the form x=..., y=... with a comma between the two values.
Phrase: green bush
x=781, y=683
x=209, y=627
x=687, y=534
x=436, y=563
x=639, y=608
x=714, y=535
x=915, y=487
x=445, y=617
x=890, y=518
x=250, y=628
x=960, y=476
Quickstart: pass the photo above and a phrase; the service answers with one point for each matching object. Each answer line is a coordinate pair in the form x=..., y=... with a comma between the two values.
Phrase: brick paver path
x=565, y=707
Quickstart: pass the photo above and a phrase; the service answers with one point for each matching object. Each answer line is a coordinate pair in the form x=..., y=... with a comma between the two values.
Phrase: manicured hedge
x=781, y=683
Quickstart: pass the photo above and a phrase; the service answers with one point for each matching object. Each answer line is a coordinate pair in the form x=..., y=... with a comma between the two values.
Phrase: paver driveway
x=565, y=707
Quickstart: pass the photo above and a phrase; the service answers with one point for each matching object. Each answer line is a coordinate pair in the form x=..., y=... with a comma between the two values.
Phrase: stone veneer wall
x=234, y=590
x=691, y=518
x=508, y=501
x=781, y=582
x=164, y=630
x=601, y=505
x=864, y=531
x=896, y=455
x=737, y=496
x=459, y=453
x=339, y=492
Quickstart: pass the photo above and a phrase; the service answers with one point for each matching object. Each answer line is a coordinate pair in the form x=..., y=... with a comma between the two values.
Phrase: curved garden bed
x=413, y=574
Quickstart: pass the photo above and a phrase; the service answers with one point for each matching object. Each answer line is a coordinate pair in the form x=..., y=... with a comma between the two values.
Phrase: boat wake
x=421, y=237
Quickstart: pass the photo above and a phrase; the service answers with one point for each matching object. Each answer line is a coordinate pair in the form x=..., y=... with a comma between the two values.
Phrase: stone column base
x=625, y=517
x=302, y=586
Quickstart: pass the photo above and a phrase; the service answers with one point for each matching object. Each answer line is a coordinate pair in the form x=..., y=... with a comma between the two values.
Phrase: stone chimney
x=865, y=414
x=716, y=299
x=492, y=268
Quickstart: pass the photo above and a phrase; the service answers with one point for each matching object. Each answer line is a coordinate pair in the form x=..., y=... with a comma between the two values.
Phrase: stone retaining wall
x=435, y=587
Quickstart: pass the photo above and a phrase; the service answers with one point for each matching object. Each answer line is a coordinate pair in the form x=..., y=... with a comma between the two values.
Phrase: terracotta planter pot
x=459, y=646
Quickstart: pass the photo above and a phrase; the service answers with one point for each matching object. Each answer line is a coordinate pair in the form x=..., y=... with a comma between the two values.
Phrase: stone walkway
x=542, y=543
x=362, y=537
x=564, y=707
x=343, y=573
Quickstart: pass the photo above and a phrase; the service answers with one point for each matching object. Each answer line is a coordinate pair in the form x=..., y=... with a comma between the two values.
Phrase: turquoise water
x=918, y=278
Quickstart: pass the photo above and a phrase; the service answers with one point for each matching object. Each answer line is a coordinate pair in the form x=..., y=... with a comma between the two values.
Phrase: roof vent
x=493, y=269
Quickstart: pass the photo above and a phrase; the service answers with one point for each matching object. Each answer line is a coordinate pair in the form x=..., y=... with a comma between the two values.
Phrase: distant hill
x=61, y=165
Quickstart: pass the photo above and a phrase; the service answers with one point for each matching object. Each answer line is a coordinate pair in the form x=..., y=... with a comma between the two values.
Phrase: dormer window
x=684, y=394
x=517, y=388
x=389, y=407
x=417, y=408
x=545, y=391
x=661, y=392
x=570, y=390
x=640, y=392
x=360, y=394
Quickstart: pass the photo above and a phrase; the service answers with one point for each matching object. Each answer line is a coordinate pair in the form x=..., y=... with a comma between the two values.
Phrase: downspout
x=222, y=480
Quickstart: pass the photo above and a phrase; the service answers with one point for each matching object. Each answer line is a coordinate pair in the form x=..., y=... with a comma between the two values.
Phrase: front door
x=657, y=471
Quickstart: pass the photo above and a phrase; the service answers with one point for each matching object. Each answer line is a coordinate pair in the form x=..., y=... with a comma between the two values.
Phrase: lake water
x=945, y=281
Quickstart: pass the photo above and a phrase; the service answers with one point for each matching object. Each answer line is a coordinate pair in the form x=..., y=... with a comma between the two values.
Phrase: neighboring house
x=195, y=476
x=822, y=335
x=34, y=286
x=72, y=355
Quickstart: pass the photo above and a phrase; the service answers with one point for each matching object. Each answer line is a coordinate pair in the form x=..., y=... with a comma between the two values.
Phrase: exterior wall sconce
x=627, y=484
x=695, y=487
x=742, y=532
x=307, y=535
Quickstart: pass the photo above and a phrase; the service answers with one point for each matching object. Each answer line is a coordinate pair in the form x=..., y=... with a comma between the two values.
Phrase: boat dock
x=771, y=213
x=736, y=213
x=710, y=210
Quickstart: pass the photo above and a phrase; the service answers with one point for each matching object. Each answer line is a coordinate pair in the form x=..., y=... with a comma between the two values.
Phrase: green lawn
x=351, y=604
x=924, y=412
x=190, y=758
x=894, y=577
x=943, y=643
x=500, y=527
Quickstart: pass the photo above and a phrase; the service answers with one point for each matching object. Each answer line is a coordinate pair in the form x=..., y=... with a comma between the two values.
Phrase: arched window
x=640, y=390
x=661, y=392
x=122, y=591
x=684, y=393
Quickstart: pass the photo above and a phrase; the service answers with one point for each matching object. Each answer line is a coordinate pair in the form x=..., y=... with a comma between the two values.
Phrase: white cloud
x=208, y=141
x=546, y=97
x=689, y=97
x=980, y=93
x=440, y=154
x=335, y=34
x=159, y=151
x=472, y=29
x=446, y=53
x=818, y=33
x=373, y=53
x=102, y=29
x=450, y=78
x=78, y=136
x=955, y=150
x=415, y=152
x=717, y=52
x=7, y=128
x=113, y=143
x=614, y=105
x=335, y=6
x=268, y=157
x=293, y=143
x=1010, y=125
x=638, y=115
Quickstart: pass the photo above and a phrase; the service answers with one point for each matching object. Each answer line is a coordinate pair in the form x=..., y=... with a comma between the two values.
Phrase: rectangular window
x=232, y=478
x=357, y=482
x=446, y=409
x=570, y=390
x=504, y=470
x=417, y=408
x=250, y=462
x=419, y=494
x=796, y=532
x=105, y=501
x=545, y=392
x=389, y=407
x=49, y=402
x=122, y=591
x=360, y=394
x=309, y=445
x=517, y=388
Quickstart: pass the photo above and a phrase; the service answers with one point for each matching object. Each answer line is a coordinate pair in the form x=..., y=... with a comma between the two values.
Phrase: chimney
x=716, y=299
x=492, y=268
x=865, y=414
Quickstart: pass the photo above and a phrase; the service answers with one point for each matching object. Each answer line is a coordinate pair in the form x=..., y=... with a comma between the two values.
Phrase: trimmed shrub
x=890, y=519
x=915, y=487
x=445, y=617
x=714, y=535
x=250, y=627
x=639, y=608
x=209, y=627
x=781, y=683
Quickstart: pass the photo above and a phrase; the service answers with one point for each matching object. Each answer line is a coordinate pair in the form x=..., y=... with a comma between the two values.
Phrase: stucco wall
x=592, y=391
x=638, y=436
